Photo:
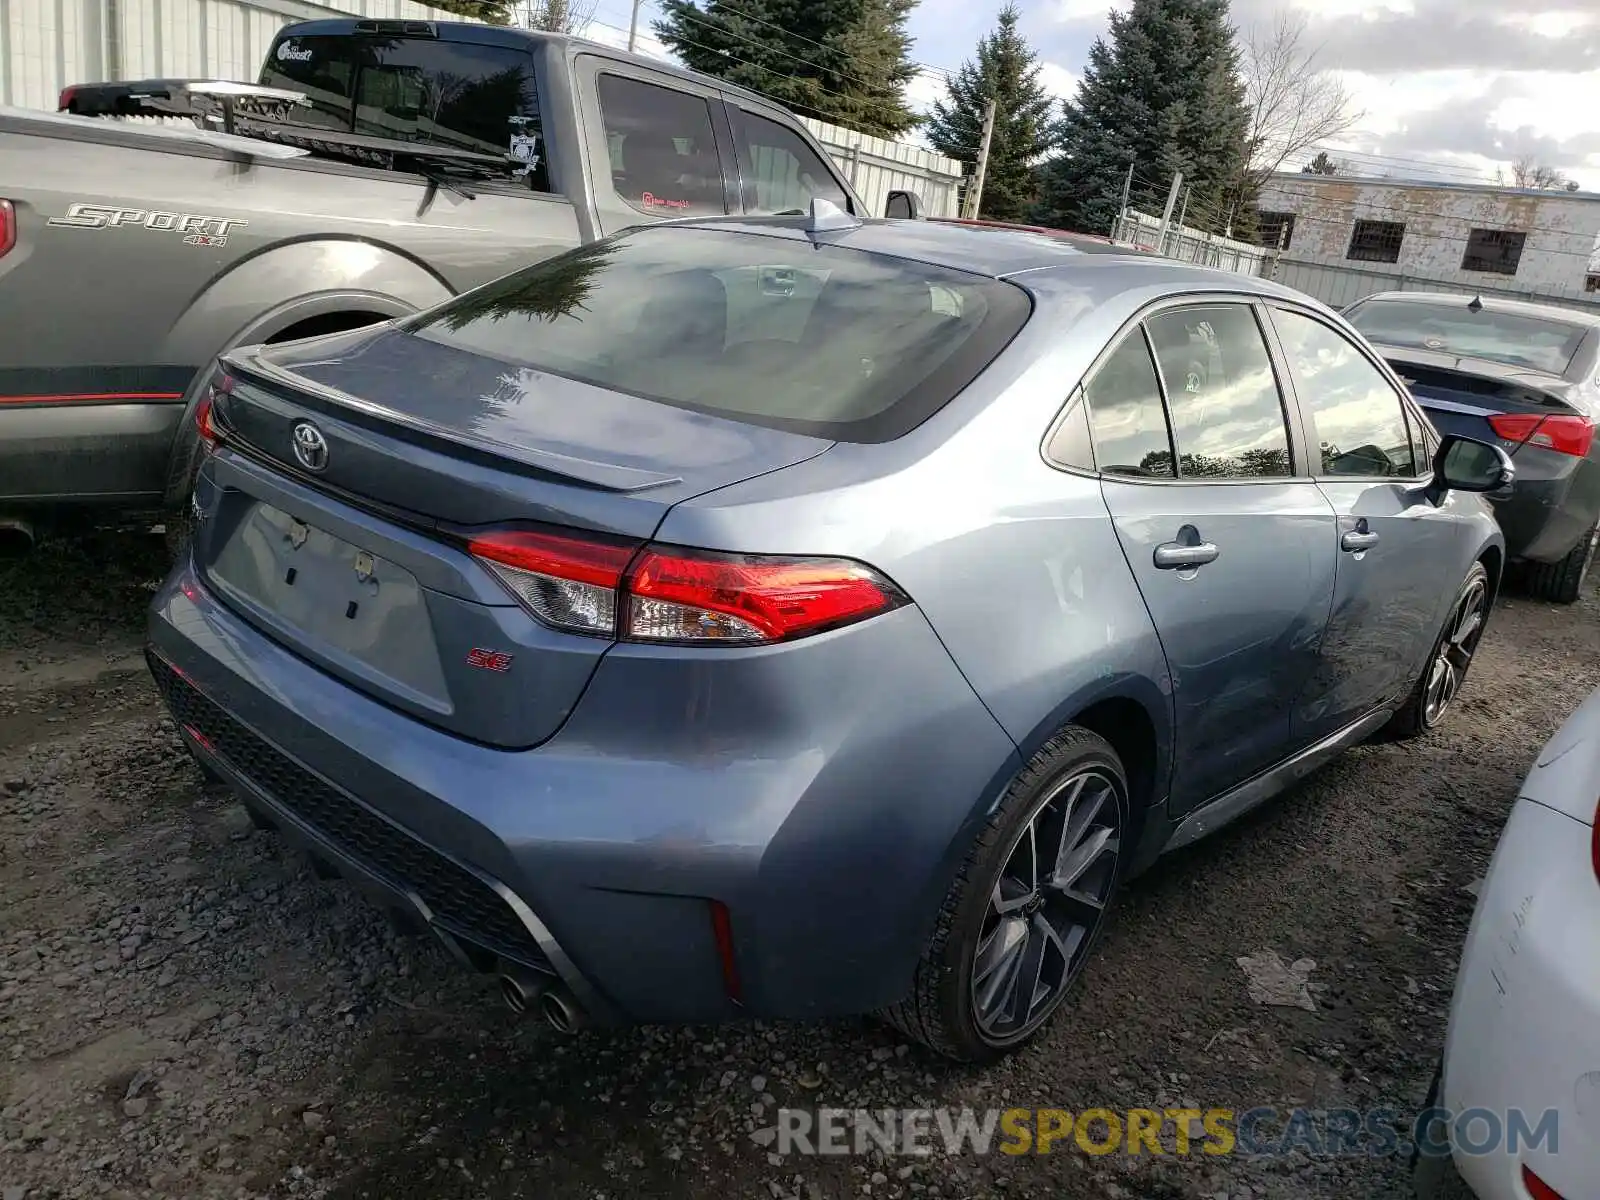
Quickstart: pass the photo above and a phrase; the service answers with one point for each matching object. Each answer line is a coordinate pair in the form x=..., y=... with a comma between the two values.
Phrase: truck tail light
x=673, y=595
x=8, y=227
x=64, y=100
x=1564, y=433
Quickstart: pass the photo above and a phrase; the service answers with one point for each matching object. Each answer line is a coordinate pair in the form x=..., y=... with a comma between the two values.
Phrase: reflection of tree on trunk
x=558, y=287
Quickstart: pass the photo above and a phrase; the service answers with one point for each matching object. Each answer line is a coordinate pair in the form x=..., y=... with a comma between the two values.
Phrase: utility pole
x=633, y=26
x=1183, y=211
x=975, y=196
x=1122, y=212
x=1166, y=214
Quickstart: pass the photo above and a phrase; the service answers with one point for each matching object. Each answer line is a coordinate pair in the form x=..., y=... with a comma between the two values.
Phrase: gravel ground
x=187, y=1010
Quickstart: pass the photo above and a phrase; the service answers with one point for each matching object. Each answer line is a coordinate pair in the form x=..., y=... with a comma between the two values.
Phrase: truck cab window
x=780, y=172
x=321, y=67
x=664, y=158
x=446, y=93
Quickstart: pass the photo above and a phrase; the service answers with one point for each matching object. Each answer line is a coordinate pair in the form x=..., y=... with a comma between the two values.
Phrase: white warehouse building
x=1347, y=237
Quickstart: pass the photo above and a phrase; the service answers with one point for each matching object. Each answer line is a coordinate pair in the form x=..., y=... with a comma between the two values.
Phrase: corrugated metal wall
x=877, y=166
x=47, y=44
x=1339, y=286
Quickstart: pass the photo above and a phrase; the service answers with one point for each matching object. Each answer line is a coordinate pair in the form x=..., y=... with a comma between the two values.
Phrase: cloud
x=1557, y=35
x=1058, y=81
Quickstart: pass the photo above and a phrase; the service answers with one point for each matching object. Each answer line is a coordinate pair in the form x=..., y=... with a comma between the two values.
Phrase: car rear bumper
x=1524, y=1035
x=827, y=815
x=1553, y=506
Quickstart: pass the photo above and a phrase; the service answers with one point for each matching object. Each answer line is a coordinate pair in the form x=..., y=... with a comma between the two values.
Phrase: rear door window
x=1227, y=413
x=1126, y=416
x=664, y=158
x=780, y=172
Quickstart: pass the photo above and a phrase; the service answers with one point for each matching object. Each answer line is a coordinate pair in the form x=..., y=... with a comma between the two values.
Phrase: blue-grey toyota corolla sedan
x=804, y=616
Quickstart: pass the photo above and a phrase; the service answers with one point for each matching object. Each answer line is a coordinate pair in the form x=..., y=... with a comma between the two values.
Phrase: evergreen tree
x=1164, y=94
x=841, y=61
x=1007, y=71
x=1320, y=165
x=495, y=12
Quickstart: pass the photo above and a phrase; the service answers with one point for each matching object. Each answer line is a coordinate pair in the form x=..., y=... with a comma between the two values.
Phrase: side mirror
x=903, y=206
x=1468, y=465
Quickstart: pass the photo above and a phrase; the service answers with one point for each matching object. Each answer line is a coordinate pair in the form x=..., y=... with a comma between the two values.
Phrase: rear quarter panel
x=1013, y=562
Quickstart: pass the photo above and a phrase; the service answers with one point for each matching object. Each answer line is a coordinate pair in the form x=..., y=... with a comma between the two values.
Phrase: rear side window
x=664, y=156
x=444, y=93
x=1126, y=417
x=775, y=331
x=781, y=174
x=1227, y=415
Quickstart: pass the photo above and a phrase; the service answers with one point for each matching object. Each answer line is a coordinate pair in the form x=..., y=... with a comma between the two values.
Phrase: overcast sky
x=1460, y=86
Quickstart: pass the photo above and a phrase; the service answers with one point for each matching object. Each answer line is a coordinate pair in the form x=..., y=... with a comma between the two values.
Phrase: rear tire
x=1027, y=907
x=1448, y=662
x=1562, y=582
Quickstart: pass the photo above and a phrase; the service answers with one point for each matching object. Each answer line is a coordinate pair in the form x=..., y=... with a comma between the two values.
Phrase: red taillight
x=205, y=423
x=1538, y=1188
x=64, y=101
x=691, y=596
x=666, y=594
x=722, y=931
x=8, y=227
x=1565, y=433
x=565, y=581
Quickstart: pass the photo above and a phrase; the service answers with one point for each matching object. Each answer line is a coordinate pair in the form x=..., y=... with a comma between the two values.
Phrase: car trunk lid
x=1461, y=394
x=356, y=556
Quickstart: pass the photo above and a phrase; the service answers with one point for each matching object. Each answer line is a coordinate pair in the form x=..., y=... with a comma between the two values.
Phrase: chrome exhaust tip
x=521, y=993
x=561, y=1011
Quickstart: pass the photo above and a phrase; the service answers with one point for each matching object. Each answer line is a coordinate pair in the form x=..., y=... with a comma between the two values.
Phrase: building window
x=1495, y=250
x=1277, y=229
x=1376, y=241
x=1591, y=283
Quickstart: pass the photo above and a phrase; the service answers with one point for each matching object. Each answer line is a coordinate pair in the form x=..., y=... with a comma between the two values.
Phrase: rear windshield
x=776, y=331
x=1510, y=338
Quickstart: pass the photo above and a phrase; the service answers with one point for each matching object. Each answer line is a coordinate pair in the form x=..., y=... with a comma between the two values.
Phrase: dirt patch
x=186, y=1010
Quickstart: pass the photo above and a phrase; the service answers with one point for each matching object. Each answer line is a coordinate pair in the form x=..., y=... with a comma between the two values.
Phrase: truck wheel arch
x=297, y=290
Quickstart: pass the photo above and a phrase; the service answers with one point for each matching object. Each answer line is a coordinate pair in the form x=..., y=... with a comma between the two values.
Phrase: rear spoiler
x=209, y=103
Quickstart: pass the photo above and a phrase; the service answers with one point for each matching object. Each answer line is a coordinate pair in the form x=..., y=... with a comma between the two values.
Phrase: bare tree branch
x=1526, y=172
x=1294, y=102
x=554, y=16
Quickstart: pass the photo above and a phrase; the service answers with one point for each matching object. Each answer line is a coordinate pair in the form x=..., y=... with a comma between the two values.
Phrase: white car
x=1524, y=1035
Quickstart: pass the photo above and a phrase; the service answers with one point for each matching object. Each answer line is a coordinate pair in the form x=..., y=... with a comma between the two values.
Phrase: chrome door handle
x=1175, y=556
x=1357, y=540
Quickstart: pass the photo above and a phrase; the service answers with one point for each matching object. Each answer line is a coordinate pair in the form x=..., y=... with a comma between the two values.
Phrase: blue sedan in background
x=809, y=616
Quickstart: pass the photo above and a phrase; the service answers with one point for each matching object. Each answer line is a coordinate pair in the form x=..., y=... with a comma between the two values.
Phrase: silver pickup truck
x=404, y=162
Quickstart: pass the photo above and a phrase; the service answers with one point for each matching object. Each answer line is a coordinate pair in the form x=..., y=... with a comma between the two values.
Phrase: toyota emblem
x=310, y=447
